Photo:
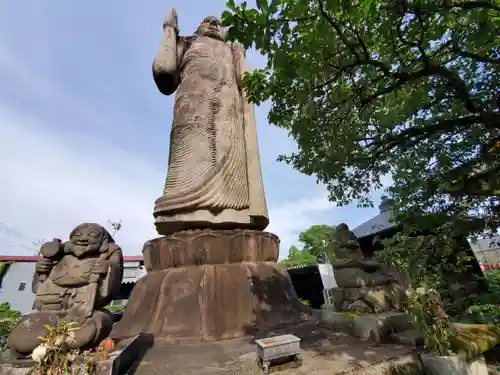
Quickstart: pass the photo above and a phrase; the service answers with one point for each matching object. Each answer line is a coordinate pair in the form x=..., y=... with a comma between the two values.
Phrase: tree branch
x=412, y=135
x=337, y=28
x=475, y=56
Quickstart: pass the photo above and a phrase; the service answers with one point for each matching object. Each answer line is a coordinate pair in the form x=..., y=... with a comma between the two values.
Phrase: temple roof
x=375, y=225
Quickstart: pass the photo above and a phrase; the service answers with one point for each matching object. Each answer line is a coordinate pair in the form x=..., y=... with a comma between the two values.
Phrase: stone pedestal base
x=378, y=328
x=375, y=299
x=210, y=285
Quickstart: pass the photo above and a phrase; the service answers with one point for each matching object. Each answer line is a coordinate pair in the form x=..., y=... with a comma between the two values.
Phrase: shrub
x=425, y=308
x=8, y=320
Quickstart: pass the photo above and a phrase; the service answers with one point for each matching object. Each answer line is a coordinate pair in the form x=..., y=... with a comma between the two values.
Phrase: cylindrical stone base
x=225, y=297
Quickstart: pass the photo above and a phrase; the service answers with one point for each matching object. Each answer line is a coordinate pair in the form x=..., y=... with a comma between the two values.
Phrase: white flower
x=70, y=338
x=71, y=357
x=39, y=353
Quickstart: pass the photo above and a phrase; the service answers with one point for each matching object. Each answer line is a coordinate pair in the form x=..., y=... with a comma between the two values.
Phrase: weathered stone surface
x=197, y=247
x=73, y=281
x=338, y=298
x=366, y=285
x=378, y=328
x=124, y=355
x=211, y=302
x=323, y=352
x=214, y=178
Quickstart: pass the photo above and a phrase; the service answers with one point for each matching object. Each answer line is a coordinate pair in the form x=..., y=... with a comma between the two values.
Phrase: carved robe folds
x=214, y=177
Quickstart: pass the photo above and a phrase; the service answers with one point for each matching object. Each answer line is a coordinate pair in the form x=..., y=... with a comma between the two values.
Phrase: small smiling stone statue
x=73, y=281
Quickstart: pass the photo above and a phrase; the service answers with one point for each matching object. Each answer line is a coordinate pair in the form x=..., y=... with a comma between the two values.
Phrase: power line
x=4, y=228
x=8, y=230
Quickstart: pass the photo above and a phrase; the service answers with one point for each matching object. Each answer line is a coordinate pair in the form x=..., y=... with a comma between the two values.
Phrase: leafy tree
x=369, y=88
x=407, y=88
x=297, y=257
x=6, y=312
x=316, y=239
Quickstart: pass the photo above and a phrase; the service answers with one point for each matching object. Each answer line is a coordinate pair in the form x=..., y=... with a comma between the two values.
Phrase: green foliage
x=425, y=308
x=417, y=256
x=317, y=239
x=55, y=356
x=493, y=277
x=4, y=266
x=8, y=320
x=114, y=308
x=304, y=302
x=437, y=261
x=6, y=312
x=406, y=88
x=486, y=308
x=297, y=257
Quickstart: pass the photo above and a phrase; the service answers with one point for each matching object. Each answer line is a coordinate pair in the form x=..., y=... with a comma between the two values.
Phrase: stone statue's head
x=212, y=28
x=88, y=239
x=343, y=227
x=344, y=237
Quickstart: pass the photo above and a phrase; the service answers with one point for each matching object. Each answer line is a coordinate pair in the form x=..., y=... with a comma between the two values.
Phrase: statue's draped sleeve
x=258, y=206
x=111, y=282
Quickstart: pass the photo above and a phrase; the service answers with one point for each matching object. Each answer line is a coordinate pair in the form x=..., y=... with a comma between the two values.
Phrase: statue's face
x=212, y=28
x=86, y=239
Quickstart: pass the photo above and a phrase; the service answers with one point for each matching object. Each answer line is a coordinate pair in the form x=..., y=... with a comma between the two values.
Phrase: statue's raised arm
x=166, y=71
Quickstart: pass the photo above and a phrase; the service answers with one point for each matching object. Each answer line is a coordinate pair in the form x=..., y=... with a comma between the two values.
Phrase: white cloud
x=288, y=220
x=50, y=183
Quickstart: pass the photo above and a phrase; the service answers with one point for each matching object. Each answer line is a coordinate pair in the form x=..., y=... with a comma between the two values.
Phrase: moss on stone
x=351, y=313
x=474, y=339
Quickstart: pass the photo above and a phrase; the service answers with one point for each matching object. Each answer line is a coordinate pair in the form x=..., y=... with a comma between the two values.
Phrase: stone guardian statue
x=214, y=178
x=73, y=281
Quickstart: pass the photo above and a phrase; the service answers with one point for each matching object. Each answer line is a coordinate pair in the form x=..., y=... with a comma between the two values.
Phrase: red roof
x=35, y=258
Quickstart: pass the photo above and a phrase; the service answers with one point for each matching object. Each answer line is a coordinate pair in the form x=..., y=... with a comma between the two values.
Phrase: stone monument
x=213, y=274
x=364, y=285
x=73, y=281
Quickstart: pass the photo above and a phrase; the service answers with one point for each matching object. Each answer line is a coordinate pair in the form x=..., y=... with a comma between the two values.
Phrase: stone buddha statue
x=73, y=281
x=364, y=285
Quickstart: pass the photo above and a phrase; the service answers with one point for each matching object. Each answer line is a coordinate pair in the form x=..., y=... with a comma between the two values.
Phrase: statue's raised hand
x=171, y=20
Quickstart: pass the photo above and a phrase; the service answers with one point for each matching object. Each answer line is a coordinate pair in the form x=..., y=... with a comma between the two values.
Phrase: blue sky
x=84, y=132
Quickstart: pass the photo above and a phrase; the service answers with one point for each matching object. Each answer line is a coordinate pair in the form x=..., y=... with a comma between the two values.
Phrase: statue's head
x=87, y=239
x=212, y=28
x=343, y=227
x=343, y=235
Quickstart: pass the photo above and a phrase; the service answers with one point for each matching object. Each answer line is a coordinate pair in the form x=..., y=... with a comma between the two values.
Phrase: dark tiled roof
x=375, y=225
